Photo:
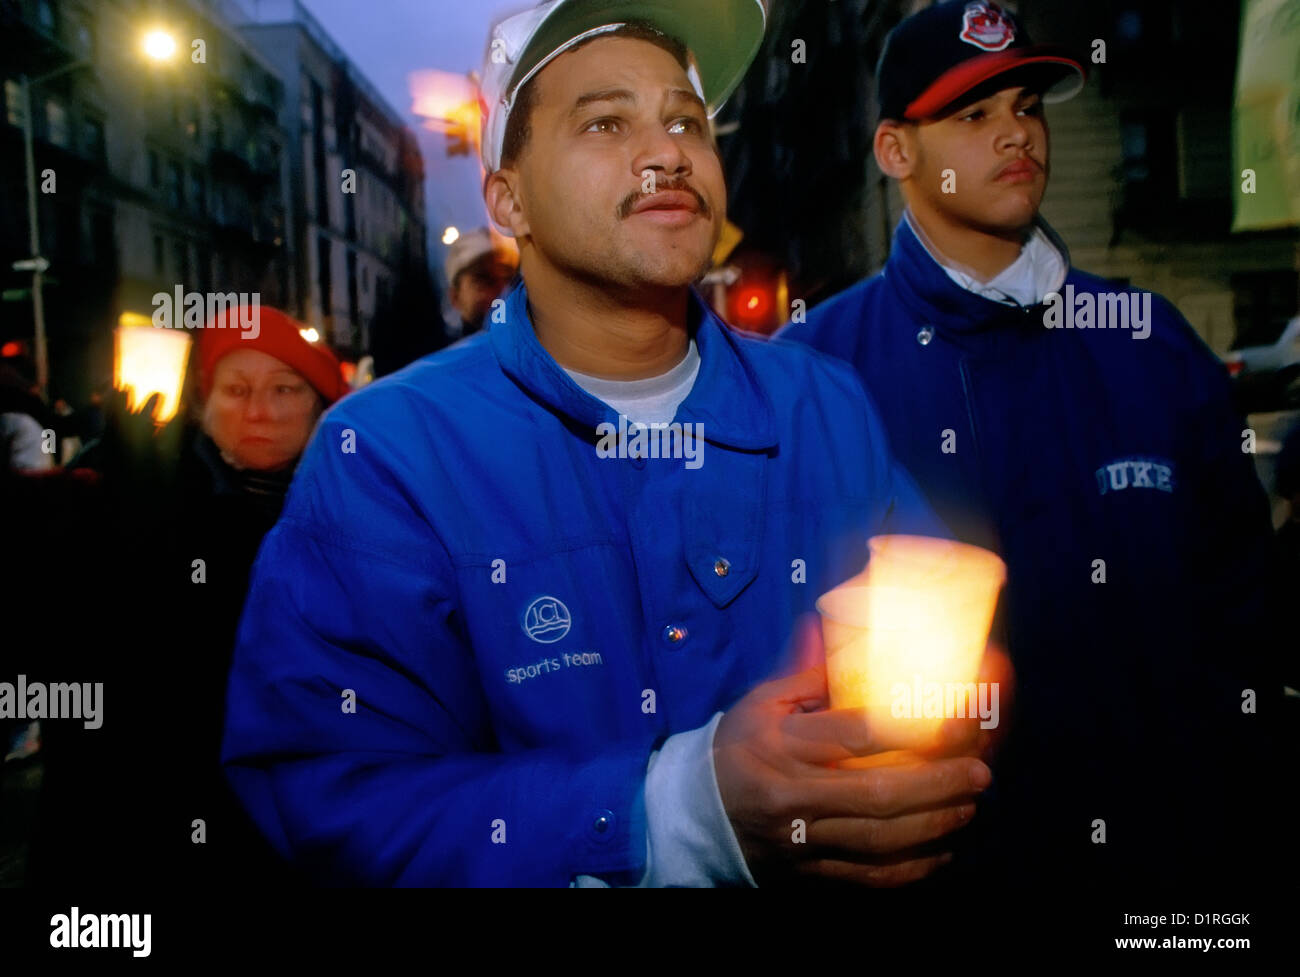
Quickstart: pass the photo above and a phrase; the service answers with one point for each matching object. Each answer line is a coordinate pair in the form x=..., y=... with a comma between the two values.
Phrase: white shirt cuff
x=690, y=841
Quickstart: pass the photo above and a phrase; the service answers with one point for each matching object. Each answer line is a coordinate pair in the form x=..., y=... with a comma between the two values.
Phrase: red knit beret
x=275, y=334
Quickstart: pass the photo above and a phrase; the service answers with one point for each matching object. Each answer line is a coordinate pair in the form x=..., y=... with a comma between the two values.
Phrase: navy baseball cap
x=944, y=52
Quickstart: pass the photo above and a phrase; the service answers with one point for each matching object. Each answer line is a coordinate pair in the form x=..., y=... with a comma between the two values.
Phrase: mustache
x=632, y=199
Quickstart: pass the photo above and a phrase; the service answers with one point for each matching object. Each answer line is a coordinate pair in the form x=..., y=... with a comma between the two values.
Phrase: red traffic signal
x=752, y=306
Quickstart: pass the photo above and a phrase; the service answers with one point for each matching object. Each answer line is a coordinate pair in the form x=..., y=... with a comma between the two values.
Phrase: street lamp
x=159, y=46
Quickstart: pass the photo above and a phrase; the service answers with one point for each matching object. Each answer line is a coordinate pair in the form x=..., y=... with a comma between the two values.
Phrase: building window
x=85, y=39
x=1133, y=142
x=45, y=16
x=103, y=247
x=1128, y=26
x=181, y=260
x=324, y=275
x=158, y=255
x=1149, y=170
x=14, y=107
x=92, y=138
x=205, y=270
x=192, y=115
x=175, y=190
x=198, y=189
x=56, y=122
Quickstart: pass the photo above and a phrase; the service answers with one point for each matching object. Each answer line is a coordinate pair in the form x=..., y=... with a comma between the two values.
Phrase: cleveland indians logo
x=987, y=26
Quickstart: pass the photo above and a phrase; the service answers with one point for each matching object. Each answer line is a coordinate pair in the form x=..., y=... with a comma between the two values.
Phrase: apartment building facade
x=356, y=179
x=152, y=175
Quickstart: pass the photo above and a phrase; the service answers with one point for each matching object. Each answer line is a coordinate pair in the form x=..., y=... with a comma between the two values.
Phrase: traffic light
x=458, y=143
x=753, y=304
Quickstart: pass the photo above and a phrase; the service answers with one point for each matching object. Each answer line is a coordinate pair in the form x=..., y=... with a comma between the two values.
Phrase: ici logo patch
x=547, y=620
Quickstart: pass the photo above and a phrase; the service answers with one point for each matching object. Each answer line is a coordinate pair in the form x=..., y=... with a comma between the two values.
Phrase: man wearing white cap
x=479, y=268
x=490, y=643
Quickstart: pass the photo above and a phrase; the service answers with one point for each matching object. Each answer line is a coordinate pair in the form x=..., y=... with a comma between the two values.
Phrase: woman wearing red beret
x=262, y=389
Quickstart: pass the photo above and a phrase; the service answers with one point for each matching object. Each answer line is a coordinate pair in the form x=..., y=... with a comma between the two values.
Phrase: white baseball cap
x=476, y=244
x=722, y=37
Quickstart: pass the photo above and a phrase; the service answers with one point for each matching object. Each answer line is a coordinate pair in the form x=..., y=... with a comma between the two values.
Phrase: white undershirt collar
x=1040, y=268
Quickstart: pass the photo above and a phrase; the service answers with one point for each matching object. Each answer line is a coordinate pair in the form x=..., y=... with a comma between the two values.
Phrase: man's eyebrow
x=1022, y=95
x=690, y=96
x=623, y=95
x=604, y=95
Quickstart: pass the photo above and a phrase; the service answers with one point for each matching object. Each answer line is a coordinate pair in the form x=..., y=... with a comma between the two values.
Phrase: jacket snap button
x=674, y=634
x=925, y=335
x=604, y=820
x=721, y=566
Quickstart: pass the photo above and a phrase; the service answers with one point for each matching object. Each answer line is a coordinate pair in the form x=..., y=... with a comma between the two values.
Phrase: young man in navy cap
x=1083, y=431
x=486, y=646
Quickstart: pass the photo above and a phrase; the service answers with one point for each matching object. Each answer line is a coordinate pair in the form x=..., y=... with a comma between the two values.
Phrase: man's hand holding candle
x=774, y=754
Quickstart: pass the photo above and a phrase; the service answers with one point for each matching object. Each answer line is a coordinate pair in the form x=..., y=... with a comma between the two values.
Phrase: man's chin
x=1012, y=217
x=662, y=270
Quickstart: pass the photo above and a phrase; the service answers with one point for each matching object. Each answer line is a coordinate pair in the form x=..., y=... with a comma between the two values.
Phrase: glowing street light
x=450, y=235
x=159, y=45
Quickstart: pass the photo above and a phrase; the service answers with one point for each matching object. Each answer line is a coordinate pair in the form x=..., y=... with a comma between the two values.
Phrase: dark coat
x=1070, y=447
x=120, y=803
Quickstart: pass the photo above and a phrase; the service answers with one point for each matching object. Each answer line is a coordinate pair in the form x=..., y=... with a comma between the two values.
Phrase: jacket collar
x=934, y=298
x=727, y=398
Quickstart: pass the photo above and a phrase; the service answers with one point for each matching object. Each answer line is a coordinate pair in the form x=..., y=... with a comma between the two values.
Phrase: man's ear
x=504, y=205
x=895, y=149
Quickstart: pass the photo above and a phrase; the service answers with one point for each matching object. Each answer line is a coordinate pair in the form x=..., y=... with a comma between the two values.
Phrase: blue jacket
x=522, y=622
x=1060, y=448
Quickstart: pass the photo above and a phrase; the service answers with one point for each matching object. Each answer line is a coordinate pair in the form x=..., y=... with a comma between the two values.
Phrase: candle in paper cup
x=926, y=562
x=904, y=640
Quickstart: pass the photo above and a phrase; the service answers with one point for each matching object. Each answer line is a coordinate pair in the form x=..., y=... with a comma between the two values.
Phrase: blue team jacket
x=520, y=621
x=1110, y=474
